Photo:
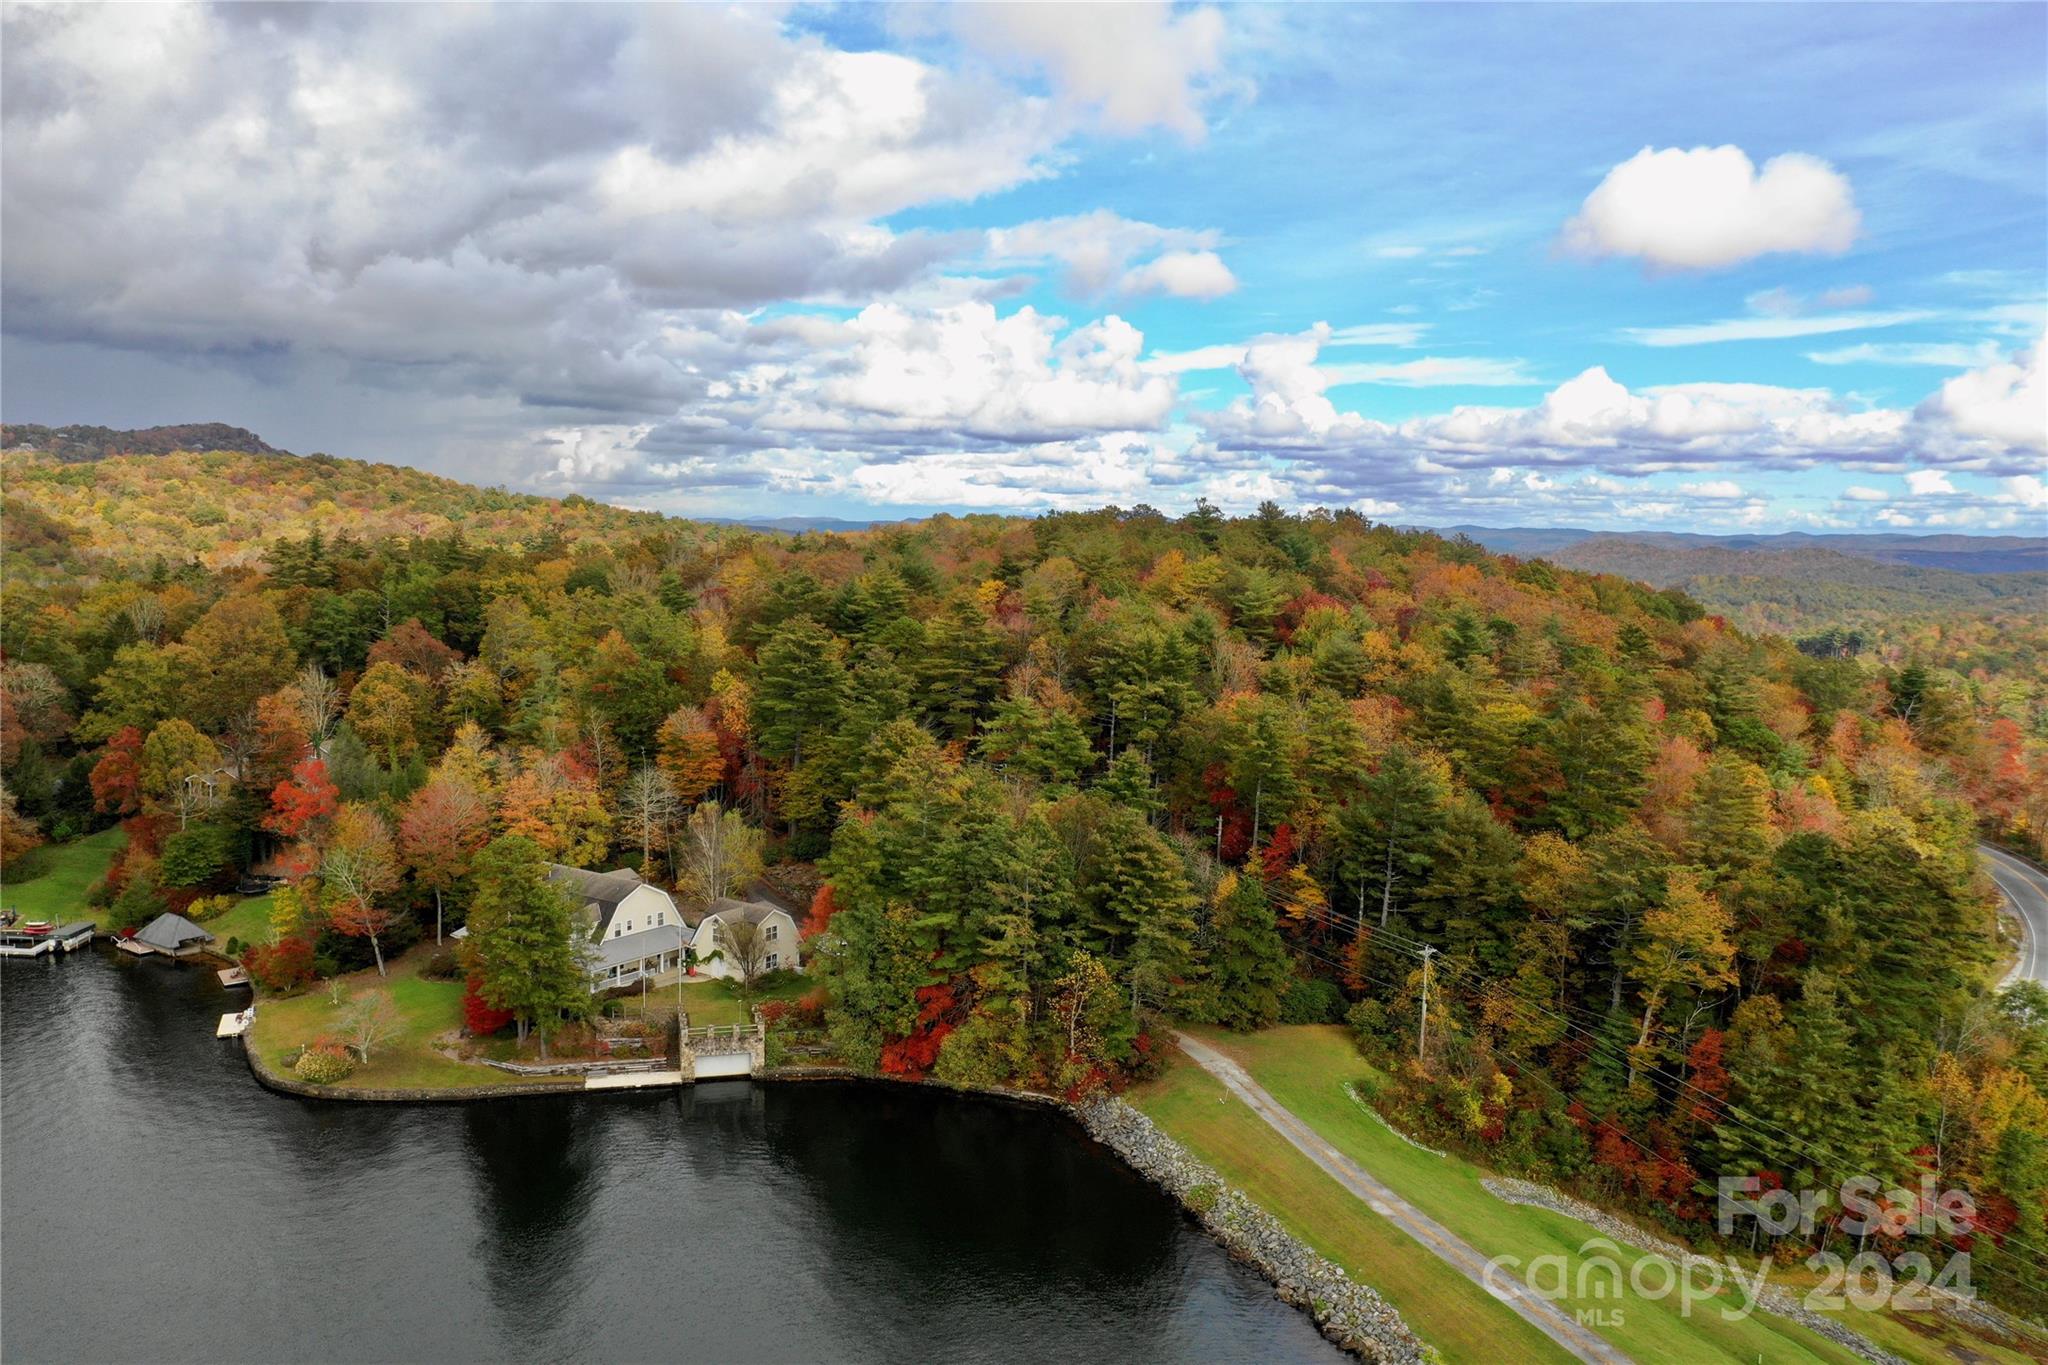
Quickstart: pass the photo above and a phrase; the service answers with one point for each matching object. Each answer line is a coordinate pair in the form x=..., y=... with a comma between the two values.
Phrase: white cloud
x=1437, y=372
x=1857, y=492
x=1376, y=334
x=1139, y=65
x=1182, y=274
x=1942, y=355
x=2029, y=491
x=1928, y=483
x=1717, y=489
x=2005, y=402
x=1710, y=207
x=1398, y=253
x=1098, y=251
x=1768, y=328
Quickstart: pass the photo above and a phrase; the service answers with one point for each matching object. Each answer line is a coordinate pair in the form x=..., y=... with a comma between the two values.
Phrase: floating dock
x=235, y=1025
x=233, y=976
x=35, y=938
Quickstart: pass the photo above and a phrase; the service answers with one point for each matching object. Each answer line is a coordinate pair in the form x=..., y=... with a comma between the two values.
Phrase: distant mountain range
x=1678, y=553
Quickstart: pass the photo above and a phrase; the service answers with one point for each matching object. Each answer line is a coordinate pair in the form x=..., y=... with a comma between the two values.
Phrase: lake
x=156, y=1204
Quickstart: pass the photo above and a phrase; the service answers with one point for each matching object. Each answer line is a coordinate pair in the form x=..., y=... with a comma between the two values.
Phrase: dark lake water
x=157, y=1205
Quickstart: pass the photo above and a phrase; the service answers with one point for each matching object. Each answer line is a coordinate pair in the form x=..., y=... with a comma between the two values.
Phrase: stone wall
x=1349, y=1314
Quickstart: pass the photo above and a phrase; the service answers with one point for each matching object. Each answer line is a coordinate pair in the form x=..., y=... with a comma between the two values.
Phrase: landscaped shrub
x=1312, y=1002
x=442, y=966
x=324, y=1063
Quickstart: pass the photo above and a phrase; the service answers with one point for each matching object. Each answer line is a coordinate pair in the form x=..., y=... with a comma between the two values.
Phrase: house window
x=772, y=960
x=773, y=930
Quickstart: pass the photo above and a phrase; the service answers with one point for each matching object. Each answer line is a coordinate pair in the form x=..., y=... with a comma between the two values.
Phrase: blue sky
x=1673, y=266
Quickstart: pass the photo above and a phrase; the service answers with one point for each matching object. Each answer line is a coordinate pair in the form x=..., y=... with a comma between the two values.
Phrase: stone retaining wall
x=1770, y=1298
x=1349, y=1314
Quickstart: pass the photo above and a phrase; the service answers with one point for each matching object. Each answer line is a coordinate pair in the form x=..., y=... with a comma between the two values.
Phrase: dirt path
x=1461, y=1255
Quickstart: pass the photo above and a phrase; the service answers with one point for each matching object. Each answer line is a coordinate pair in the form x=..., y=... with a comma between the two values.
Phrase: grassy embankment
x=427, y=1010
x=63, y=873
x=1307, y=1069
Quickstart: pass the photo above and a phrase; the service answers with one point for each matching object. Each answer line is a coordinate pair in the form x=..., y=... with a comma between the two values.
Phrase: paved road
x=1461, y=1255
x=2026, y=890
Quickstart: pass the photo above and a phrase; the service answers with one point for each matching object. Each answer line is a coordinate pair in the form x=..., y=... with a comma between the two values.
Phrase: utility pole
x=1422, y=1030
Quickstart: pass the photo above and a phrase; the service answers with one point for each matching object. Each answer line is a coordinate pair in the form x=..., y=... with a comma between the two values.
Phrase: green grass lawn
x=57, y=893
x=247, y=920
x=428, y=1009
x=712, y=1002
x=1307, y=1069
x=1444, y=1308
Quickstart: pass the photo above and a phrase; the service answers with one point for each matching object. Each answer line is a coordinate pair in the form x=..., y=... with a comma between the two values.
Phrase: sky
x=1678, y=267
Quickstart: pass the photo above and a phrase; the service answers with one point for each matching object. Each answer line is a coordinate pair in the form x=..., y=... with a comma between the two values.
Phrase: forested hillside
x=76, y=443
x=221, y=509
x=1703, y=903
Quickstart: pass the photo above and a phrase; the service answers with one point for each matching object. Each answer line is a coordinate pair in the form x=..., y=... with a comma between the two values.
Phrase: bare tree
x=745, y=950
x=319, y=702
x=370, y=1021
x=649, y=806
x=721, y=853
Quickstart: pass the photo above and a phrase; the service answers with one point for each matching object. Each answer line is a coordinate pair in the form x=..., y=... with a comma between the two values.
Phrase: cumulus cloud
x=504, y=207
x=1139, y=65
x=2004, y=403
x=1711, y=207
x=1856, y=492
x=1183, y=274
x=1928, y=483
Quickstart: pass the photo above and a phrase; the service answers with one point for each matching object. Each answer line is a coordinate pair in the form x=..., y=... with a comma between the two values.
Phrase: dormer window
x=770, y=934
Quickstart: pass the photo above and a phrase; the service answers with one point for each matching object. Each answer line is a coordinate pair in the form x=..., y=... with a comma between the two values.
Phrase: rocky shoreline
x=1351, y=1315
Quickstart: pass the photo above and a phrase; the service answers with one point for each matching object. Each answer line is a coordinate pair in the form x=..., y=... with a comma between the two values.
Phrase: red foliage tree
x=302, y=800
x=823, y=908
x=477, y=1017
x=117, y=777
x=914, y=1054
x=283, y=966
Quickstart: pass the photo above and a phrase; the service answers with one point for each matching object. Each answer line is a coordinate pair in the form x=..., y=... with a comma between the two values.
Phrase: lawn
x=248, y=920
x=1307, y=1069
x=428, y=1009
x=711, y=1001
x=57, y=893
x=1444, y=1308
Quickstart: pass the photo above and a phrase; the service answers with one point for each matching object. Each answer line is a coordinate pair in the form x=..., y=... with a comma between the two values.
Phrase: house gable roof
x=599, y=894
x=171, y=932
x=753, y=912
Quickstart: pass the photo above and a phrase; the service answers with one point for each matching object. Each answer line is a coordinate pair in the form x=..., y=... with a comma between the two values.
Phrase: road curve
x=1453, y=1250
x=2026, y=891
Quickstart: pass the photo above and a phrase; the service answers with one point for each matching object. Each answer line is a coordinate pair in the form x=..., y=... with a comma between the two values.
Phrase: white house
x=775, y=945
x=636, y=931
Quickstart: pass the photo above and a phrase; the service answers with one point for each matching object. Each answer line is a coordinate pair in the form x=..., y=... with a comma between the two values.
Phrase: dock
x=235, y=1025
x=34, y=939
x=233, y=976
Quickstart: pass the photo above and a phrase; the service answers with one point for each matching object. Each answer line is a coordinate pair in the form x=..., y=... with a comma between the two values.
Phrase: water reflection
x=834, y=1222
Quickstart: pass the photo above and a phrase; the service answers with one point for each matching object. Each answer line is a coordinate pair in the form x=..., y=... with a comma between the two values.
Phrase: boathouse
x=172, y=935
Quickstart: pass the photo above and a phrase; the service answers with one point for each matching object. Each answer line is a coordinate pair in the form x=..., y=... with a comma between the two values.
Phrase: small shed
x=173, y=935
